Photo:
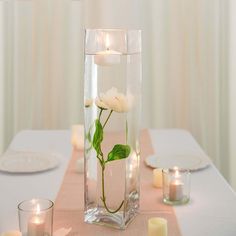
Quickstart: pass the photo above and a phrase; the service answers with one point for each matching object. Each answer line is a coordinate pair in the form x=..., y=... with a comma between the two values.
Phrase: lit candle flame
x=37, y=209
x=177, y=174
x=37, y=220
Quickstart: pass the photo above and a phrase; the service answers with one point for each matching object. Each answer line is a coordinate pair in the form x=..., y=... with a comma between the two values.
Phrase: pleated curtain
x=185, y=83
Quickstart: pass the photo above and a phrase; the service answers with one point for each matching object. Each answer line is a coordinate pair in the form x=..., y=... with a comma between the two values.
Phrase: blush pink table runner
x=69, y=205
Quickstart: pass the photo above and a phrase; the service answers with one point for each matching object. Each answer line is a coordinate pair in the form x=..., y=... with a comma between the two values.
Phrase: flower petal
x=115, y=101
x=99, y=103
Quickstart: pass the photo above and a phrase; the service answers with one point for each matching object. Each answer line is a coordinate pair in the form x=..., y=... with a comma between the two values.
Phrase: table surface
x=211, y=210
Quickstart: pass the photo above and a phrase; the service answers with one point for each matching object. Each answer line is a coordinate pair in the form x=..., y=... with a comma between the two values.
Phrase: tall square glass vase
x=112, y=98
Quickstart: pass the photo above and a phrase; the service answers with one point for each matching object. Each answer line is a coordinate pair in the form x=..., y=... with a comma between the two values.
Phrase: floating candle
x=107, y=57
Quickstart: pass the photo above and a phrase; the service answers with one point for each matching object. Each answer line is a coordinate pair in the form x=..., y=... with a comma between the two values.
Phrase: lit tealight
x=36, y=225
x=107, y=57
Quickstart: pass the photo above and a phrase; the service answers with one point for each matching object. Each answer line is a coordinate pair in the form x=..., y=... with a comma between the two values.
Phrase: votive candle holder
x=36, y=217
x=176, y=186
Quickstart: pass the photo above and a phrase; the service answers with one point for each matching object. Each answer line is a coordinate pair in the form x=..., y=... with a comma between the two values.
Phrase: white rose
x=88, y=102
x=99, y=103
x=116, y=101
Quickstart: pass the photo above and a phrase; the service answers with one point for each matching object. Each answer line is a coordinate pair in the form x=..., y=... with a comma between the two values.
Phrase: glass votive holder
x=36, y=217
x=176, y=186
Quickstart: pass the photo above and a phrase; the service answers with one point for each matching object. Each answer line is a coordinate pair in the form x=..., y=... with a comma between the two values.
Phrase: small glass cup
x=36, y=217
x=176, y=186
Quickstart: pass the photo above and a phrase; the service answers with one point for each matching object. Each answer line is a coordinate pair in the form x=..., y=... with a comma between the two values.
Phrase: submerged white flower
x=116, y=101
x=88, y=102
x=99, y=103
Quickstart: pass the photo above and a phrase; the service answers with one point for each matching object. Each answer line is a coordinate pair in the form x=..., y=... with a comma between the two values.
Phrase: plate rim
x=54, y=161
x=205, y=161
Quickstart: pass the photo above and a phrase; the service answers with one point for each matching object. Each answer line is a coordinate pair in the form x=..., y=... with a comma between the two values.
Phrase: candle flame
x=37, y=220
x=37, y=209
x=177, y=174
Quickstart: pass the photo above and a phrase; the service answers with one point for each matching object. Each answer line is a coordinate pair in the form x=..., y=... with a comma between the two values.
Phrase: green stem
x=100, y=160
x=102, y=163
x=103, y=198
x=100, y=114
x=107, y=119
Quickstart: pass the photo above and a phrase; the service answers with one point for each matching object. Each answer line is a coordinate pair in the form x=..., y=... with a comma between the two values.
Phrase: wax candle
x=176, y=187
x=157, y=178
x=176, y=190
x=107, y=57
x=77, y=137
x=157, y=227
x=36, y=224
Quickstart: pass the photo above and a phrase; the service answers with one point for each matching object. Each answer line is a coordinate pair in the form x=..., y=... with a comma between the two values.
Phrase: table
x=211, y=211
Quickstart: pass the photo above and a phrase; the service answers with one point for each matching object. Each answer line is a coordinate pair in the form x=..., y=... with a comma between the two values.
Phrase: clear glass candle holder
x=176, y=186
x=36, y=217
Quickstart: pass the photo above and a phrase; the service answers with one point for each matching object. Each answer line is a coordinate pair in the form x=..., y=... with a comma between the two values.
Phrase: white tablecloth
x=211, y=211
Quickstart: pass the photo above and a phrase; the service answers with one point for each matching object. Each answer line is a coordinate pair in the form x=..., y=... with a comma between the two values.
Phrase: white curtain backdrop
x=1, y=77
x=232, y=89
x=184, y=64
x=44, y=63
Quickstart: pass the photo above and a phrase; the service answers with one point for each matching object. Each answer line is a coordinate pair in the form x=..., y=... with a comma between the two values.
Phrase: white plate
x=28, y=162
x=186, y=161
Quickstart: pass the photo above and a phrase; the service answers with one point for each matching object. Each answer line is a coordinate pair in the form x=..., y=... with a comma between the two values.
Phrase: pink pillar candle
x=176, y=190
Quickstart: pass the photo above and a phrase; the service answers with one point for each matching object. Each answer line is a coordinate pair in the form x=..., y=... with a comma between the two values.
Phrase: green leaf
x=98, y=136
x=118, y=152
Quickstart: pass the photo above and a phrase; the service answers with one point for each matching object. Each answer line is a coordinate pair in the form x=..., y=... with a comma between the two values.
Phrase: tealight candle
x=176, y=186
x=107, y=57
x=36, y=217
x=77, y=137
x=36, y=224
x=176, y=190
x=157, y=178
x=157, y=226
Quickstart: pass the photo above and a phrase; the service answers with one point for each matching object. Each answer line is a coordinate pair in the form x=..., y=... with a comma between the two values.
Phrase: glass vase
x=112, y=98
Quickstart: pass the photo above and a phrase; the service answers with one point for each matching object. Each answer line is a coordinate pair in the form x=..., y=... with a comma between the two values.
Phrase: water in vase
x=111, y=107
